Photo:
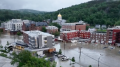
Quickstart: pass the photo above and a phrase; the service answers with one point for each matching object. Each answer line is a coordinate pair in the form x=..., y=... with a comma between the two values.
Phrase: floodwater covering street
x=89, y=53
x=5, y=62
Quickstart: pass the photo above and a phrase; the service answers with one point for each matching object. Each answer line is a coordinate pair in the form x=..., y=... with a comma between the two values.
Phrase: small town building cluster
x=36, y=40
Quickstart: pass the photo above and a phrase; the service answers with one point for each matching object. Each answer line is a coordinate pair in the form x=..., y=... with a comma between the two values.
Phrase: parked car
x=65, y=58
x=60, y=55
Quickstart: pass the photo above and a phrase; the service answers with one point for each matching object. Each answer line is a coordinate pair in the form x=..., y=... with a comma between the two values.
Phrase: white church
x=60, y=21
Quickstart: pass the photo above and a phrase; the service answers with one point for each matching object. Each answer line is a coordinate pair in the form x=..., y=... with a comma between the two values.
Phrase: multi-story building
x=112, y=35
x=98, y=37
x=74, y=34
x=33, y=25
x=84, y=34
x=68, y=35
x=73, y=26
x=14, y=24
x=52, y=29
x=38, y=39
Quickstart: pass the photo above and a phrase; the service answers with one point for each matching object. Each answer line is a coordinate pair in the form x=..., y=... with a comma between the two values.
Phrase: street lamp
x=99, y=59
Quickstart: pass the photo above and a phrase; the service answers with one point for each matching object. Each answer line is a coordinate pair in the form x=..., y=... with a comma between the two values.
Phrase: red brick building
x=84, y=34
x=68, y=35
x=113, y=35
x=25, y=38
x=52, y=29
x=33, y=26
x=98, y=37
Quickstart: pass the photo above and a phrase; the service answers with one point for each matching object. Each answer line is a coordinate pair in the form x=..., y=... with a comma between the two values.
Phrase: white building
x=60, y=21
x=91, y=30
x=14, y=24
x=38, y=39
x=51, y=27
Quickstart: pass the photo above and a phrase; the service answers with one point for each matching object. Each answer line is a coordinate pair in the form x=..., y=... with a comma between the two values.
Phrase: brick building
x=33, y=26
x=68, y=35
x=113, y=35
x=98, y=37
x=84, y=34
x=52, y=29
x=73, y=26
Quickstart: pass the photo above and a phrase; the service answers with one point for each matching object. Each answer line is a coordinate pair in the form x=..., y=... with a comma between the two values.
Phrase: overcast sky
x=41, y=5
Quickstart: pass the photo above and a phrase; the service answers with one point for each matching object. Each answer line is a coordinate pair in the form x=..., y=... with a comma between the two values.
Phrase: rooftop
x=69, y=31
x=116, y=27
x=51, y=27
x=35, y=33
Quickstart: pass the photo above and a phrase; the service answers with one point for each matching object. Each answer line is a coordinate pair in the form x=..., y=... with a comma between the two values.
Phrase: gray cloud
x=41, y=5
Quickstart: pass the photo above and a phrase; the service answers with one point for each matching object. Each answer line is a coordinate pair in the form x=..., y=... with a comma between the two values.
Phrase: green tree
x=60, y=51
x=117, y=23
x=18, y=33
x=56, y=33
x=87, y=27
x=44, y=29
x=7, y=43
x=73, y=59
x=90, y=65
x=25, y=59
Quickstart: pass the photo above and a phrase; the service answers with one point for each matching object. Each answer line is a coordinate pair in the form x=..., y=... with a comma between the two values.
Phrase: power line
x=93, y=58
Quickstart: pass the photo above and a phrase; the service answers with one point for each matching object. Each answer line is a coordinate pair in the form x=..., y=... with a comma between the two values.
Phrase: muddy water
x=89, y=53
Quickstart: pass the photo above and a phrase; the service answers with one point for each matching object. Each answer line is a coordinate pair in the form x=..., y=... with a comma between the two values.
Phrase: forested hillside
x=16, y=14
x=93, y=12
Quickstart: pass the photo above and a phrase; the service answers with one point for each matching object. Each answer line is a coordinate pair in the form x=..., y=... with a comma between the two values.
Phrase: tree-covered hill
x=94, y=12
x=22, y=14
x=31, y=11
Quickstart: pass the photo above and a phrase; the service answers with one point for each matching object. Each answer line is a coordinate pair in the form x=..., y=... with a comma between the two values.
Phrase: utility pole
x=14, y=31
x=64, y=47
x=80, y=53
x=98, y=60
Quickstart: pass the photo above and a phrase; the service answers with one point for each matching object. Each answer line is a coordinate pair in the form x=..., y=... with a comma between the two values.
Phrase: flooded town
x=60, y=33
x=89, y=53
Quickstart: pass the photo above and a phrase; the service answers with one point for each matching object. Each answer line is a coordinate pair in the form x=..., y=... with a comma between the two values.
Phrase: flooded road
x=89, y=53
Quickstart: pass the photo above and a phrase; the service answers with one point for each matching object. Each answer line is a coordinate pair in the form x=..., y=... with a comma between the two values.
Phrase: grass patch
x=101, y=30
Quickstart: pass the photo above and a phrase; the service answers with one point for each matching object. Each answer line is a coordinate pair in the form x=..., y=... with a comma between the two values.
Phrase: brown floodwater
x=89, y=53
